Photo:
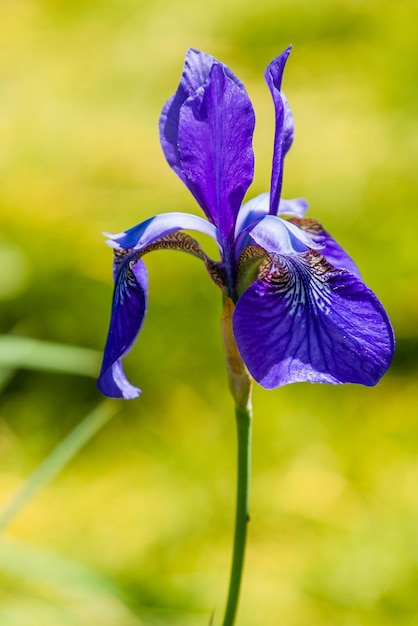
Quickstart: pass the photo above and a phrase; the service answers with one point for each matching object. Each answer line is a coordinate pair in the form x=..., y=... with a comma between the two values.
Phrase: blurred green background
x=137, y=528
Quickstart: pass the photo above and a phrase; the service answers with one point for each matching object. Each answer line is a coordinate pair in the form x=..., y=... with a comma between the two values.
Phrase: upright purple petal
x=206, y=133
x=196, y=70
x=307, y=321
x=284, y=132
x=215, y=146
x=195, y=73
x=128, y=312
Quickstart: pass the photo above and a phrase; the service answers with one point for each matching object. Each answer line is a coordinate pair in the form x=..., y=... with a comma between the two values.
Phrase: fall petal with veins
x=307, y=321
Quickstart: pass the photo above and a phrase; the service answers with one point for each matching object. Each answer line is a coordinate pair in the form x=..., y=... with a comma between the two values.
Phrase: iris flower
x=300, y=310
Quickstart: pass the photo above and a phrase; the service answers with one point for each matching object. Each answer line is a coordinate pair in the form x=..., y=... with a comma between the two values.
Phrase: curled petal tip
x=113, y=383
x=284, y=131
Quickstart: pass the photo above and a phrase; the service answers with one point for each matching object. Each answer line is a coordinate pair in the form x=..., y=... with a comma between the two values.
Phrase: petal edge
x=307, y=321
x=128, y=312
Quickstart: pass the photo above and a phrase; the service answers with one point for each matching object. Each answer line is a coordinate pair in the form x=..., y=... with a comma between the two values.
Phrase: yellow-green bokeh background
x=137, y=529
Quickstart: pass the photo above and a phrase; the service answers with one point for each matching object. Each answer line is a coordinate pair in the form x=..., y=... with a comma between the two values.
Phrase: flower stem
x=243, y=423
x=240, y=386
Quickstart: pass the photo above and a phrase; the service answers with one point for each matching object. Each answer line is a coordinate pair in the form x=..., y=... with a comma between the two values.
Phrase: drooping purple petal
x=307, y=321
x=128, y=312
x=284, y=132
x=327, y=245
x=196, y=70
x=152, y=229
x=215, y=132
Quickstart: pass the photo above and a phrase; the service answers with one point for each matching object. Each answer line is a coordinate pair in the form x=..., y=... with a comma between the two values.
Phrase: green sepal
x=253, y=263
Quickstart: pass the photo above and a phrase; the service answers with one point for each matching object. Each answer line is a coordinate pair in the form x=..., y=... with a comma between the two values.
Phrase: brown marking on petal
x=249, y=253
x=287, y=269
x=184, y=243
x=120, y=253
x=217, y=273
x=264, y=268
x=254, y=255
x=129, y=258
x=307, y=224
x=176, y=241
x=318, y=262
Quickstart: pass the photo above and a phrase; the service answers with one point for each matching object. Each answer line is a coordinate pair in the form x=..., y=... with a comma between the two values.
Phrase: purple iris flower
x=301, y=310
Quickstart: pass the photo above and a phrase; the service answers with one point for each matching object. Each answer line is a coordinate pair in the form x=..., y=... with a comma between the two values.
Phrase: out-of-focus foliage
x=137, y=528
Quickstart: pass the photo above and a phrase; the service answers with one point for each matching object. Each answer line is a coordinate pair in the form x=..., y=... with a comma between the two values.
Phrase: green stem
x=243, y=423
x=240, y=387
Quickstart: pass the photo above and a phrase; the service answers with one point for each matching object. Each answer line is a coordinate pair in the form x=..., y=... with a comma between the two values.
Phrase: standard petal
x=196, y=70
x=128, y=312
x=307, y=321
x=284, y=132
x=328, y=246
x=215, y=147
x=195, y=73
x=156, y=227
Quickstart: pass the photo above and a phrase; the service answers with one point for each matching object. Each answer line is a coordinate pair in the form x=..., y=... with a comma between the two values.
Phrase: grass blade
x=58, y=459
x=27, y=353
